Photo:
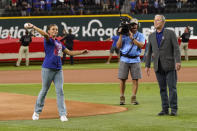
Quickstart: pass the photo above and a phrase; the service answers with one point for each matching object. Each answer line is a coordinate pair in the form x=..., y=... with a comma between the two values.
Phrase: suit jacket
x=168, y=53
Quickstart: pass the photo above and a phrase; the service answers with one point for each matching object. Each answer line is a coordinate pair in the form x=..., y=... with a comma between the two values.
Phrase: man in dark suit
x=164, y=49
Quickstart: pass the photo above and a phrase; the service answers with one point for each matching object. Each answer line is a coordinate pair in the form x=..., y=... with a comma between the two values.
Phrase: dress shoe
x=162, y=113
x=173, y=113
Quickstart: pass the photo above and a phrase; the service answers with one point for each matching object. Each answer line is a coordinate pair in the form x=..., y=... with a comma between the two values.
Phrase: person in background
x=146, y=47
x=24, y=8
x=52, y=70
x=64, y=33
x=164, y=49
x=24, y=48
x=48, y=4
x=133, y=7
x=29, y=9
x=145, y=7
x=156, y=6
x=113, y=48
x=130, y=50
x=178, y=4
x=68, y=40
x=185, y=41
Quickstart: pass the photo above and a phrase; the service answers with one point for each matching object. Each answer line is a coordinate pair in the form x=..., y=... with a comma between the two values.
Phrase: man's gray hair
x=162, y=17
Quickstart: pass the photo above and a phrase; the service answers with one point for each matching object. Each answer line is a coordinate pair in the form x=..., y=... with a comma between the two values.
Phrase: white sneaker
x=35, y=116
x=63, y=118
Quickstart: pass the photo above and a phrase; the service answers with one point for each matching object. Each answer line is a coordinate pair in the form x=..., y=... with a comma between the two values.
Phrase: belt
x=126, y=55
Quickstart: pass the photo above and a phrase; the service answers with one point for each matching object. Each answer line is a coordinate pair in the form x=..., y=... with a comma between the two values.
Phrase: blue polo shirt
x=136, y=51
x=159, y=37
x=53, y=49
x=115, y=40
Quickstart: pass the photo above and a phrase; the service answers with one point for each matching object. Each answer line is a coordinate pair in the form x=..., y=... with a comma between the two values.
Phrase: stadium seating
x=98, y=9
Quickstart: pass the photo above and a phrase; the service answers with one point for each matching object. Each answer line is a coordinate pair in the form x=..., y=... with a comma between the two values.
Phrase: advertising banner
x=87, y=27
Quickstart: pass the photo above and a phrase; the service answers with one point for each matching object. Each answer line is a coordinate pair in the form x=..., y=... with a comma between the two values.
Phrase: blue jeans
x=49, y=75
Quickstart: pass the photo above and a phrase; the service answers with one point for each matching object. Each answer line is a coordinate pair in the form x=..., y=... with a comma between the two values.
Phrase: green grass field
x=142, y=117
x=138, y=118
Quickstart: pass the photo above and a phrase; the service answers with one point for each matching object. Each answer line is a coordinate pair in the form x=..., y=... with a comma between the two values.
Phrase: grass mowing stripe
x=191, y=63
x=142, y=117
x=94, y=83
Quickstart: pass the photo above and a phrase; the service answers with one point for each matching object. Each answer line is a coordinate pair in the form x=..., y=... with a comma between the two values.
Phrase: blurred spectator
x=117, y=4
x=81, y=8
x=178, y=4
x=105, y=5
x=97, y=2
x=36, y=5
x=48, y=5
x=162, y=6
x=14, y=3
x=139, y=6
x=24, y=8
x=72, y=10
x=184, y=1
x=145, y=7
x=111, y=5
x=42, y=5
x=133, y=7
x=29, y=7
x=60, y=3
x=54, y=3
x=67, y=3
x=156, y=6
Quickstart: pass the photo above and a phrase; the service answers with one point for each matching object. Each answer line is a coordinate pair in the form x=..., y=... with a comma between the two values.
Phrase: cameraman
x=130, y=50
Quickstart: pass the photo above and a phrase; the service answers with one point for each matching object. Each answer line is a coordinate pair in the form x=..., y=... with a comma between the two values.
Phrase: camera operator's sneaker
x=122, y=100
x=63, y=118
x=35, y=116
x=134, y=101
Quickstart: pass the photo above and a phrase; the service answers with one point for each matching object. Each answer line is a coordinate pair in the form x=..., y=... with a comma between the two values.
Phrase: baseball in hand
x=26, y=25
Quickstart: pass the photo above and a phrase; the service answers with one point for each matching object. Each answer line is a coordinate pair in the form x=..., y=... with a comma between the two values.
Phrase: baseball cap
x=134, y=20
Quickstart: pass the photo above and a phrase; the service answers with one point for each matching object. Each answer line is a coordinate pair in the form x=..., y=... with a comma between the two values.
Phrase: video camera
x=126, y=25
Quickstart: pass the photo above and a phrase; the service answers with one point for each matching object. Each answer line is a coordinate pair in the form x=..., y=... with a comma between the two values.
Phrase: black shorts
x=114, y=49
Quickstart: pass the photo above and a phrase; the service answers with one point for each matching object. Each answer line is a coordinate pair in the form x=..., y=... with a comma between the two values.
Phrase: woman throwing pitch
x=52, y=69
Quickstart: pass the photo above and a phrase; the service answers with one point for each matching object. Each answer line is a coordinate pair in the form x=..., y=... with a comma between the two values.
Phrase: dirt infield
x=89, y=76
x=20, y=107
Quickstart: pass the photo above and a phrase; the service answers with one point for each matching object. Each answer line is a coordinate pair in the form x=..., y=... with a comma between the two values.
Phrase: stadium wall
x=90, y=31
x=98, y=49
